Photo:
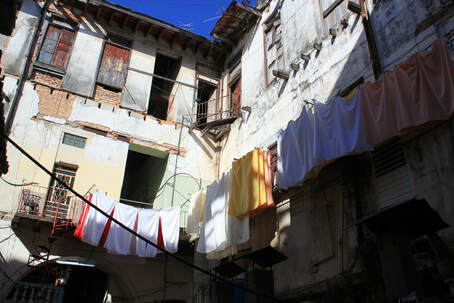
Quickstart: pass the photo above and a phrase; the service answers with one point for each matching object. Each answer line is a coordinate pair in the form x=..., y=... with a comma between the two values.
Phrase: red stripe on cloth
x=105, y=232
x=79, y=232
x=160, y=237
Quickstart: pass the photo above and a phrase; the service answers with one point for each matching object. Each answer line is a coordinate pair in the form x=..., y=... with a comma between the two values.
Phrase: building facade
x=146, y=112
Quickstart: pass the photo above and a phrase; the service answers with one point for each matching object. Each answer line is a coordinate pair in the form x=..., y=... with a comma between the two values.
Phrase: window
x=274, y=52
x=333, y=11
x=162, y=90
x=58, y=198
x=235, y=97
x=56, y=47
x=74, y=140
x=114, y=63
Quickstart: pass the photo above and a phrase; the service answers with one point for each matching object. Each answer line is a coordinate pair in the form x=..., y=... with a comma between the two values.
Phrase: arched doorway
x=61, y=281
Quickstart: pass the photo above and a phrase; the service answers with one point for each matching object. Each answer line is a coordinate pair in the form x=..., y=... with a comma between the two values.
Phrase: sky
x=198, y=16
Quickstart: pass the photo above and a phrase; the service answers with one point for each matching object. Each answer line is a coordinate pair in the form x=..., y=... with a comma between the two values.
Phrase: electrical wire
x=131, y=231
x=16, y=184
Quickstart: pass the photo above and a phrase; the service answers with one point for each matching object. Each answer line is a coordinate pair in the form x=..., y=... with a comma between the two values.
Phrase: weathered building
x=147, y=112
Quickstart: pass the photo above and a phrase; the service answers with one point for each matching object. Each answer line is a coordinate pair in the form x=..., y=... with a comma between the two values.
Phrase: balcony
x=212, y=119
x=51, y=204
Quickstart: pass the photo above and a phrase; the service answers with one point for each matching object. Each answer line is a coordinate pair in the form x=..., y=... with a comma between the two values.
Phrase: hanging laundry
x=237, y=229
x=170, y=222
x=213, y=235
x=195, y=215
x=119, y=239
x=148, y=222
x=321, y=133
x=220, y=232
x=415, y=92
x=248, y=184
x=161, y=227
x=268, y=185
x=93, y=222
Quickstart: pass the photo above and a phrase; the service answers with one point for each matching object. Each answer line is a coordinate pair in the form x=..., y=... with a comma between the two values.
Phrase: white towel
x=170, y=222
x=96, y=221
x=119, y=240
x=148, y=223
x=195, y=210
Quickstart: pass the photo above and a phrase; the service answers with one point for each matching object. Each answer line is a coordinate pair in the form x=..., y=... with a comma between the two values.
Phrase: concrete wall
x=15, y=55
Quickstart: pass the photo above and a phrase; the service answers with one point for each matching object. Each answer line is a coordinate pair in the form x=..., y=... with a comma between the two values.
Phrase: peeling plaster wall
x=15, y=55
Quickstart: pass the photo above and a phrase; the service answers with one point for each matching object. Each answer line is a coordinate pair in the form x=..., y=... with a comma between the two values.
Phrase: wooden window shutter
x=237, y=96
x=64, y=45
x=114, y=65
x=56, y=47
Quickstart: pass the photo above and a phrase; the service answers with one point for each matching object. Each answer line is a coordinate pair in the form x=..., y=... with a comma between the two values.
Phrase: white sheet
x=148, y=227
x=96, y=222
x=170, y=222
x=322, y=133
x=119, y=240
x=195, y=209
x=213, y=234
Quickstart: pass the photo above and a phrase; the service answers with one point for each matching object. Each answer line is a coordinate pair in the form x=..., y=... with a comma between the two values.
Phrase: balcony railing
x=49, y=204
x=214, y=112
x=35, y=292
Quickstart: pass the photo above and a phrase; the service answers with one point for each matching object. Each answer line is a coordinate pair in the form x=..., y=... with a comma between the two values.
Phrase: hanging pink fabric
x=417, y=91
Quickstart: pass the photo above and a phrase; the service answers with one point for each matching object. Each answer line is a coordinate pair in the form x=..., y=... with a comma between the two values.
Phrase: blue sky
x=198, y=16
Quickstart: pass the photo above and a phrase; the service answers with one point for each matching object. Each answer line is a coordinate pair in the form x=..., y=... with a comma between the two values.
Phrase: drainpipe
x=176, y=160
x=370, y=37
x=23, y=77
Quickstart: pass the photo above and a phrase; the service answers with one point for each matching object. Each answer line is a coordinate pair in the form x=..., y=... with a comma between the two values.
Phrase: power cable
x=17, y=184
x=134, y=233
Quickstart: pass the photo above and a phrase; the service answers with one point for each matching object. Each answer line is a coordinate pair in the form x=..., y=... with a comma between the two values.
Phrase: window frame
x=50, y=66
x=119, y=42
x=269, y=28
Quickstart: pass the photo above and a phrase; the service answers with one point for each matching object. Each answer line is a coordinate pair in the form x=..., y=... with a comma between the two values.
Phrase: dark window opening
x=56, y=47
x=114, y=63
x=206, y=102
x=235, y=98
x=142, y=178
x=161, y=89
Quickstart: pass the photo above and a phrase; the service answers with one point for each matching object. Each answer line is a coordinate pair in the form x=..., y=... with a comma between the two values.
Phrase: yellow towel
x=248, y=184
x=202, y=204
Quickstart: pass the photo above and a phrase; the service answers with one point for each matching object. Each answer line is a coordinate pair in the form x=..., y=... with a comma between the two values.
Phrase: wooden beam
x=186, y=44
x=195, y=47
x=157, y=36
x=161, y=77
x=86, y=7
x=125, y=20
x=111, y=17
x=281, y=74
x=137, y=26
x=172, y=39
x=98, y=12
x=149, y=30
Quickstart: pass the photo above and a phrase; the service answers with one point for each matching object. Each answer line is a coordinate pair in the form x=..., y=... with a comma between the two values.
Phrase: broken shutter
x=236, y=97
x=56, y=47
x=114, y=64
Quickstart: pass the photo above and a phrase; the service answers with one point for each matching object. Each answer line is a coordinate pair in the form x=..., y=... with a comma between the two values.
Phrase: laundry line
x=123, y=226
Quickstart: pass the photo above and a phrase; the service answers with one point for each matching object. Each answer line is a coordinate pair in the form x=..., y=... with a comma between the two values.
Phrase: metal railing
x=34, y=292
x=214, y=110
x=52, y=203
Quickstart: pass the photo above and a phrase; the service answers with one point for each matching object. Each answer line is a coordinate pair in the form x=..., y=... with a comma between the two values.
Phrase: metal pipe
x=176, y=161
x=20, y=86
